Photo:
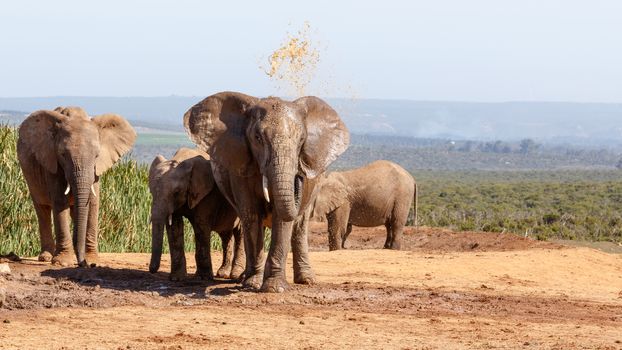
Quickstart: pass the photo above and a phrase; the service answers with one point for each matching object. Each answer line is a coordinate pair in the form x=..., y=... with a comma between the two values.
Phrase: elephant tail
x=415, y=205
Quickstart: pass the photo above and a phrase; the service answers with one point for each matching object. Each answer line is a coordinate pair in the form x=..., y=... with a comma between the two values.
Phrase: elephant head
x=332, y=193
x=184, y=180
x=79, y=149
x=282, y=143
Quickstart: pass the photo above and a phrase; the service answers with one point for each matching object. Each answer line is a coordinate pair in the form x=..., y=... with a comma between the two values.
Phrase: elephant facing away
x=62, y=154
x=184, y=187
x=266, y=156
x=380, y=193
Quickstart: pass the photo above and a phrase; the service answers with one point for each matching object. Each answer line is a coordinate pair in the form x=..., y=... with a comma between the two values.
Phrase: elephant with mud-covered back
x=184, y=187
x=266, y=156
x=62, y=154
x=380, y=193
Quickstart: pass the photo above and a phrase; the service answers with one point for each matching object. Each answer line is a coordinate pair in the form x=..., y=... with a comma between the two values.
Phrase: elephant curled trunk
x=285, y=185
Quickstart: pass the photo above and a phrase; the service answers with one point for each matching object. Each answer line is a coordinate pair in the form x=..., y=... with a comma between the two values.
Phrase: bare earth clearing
x=444, y=290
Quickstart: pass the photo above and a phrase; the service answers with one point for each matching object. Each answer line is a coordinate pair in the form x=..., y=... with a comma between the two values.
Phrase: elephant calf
x=184, y=187
x=380, y=193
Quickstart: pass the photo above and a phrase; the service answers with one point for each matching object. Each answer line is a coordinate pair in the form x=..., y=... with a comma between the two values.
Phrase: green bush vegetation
x=570, y=204
x=567, y=204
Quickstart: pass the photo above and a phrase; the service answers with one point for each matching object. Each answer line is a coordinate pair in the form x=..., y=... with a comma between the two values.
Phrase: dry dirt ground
x=445, y=290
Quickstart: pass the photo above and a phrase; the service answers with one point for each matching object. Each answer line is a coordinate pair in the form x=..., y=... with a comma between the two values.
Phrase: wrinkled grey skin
x=62, y=148
x=380, y=193
x=288, y=143
x=184, y=187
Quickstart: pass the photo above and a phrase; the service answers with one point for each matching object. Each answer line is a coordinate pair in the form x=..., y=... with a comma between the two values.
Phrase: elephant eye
x=258, y=137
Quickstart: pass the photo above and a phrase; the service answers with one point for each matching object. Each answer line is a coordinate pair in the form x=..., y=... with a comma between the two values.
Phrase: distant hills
x=585, y=124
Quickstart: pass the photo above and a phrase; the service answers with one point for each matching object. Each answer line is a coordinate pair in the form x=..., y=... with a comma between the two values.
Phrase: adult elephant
x=380, y=193
x=266, y=157
x=62, y=154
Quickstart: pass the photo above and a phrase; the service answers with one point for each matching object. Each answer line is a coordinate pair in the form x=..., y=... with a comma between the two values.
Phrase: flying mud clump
x=292, y=66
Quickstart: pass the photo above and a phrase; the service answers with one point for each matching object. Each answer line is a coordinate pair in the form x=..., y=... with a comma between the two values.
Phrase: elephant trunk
x=285, y=186
x=82, y=194
x=157, y=235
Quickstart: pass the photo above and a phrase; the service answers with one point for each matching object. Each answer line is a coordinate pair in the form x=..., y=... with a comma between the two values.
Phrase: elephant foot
x=205, y=275
x=274, y=285
x=304, y=278
x=236, y=272
x=253, y=281
x=178, y=276
x=153, y=268
x=92, y=259
x=45, y=256
x=223, y=272
x=64, y=258
x=393, y=246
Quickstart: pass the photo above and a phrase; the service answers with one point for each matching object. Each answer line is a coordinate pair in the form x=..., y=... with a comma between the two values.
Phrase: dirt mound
x=428, y=239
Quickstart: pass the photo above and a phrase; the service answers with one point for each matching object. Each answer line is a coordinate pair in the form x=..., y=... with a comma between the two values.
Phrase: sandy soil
x=445, y=290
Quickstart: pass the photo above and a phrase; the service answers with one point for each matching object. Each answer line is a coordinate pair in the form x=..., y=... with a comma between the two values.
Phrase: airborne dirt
x=444, y=290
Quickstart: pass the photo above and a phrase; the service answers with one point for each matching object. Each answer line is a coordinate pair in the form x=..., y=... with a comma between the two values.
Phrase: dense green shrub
x=569, y=204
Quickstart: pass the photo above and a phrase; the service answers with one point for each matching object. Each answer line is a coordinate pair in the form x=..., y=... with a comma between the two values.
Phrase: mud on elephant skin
x=380, y=193
x=267, y=155
x=62, y=154
x=184, y=187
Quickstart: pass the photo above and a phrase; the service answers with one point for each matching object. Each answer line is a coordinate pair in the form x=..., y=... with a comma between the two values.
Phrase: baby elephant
x=380, y=193
x=184, y=187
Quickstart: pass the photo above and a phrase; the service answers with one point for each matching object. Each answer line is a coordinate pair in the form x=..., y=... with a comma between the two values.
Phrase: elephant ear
x=327, y=136
x=116, y=137
x=37, y=137
x=218, y=126
x=153, y=171
x=201, y=180
x=332, y=195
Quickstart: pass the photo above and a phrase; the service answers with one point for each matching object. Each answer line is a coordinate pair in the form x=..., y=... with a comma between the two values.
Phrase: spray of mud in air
x=296, y=70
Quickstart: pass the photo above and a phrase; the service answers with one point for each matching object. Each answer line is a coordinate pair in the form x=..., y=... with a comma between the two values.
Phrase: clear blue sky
x=477, y=50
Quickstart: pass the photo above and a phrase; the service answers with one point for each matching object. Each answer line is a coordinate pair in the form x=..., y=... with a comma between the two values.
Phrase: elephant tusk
x=264, y=182
x=67, y=189
x=170, y=220
x=93, y=191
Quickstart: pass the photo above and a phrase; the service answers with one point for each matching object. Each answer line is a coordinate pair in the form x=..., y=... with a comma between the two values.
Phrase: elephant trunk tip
x=153, y=268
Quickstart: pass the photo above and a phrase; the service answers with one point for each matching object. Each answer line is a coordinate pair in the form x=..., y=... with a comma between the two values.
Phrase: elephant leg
x=345, y=236
x=227, y=250
x=396, y=241
x=44, y=216
x=389, y=240
x=202, y=255
x=238, y=254
x=250, y=210
x=92, y=257
x=337, y=226
x=175, y=233
x=303, y=274
x=64, y=254
x=274, y=275
x=397, y=231
x=253, y=232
